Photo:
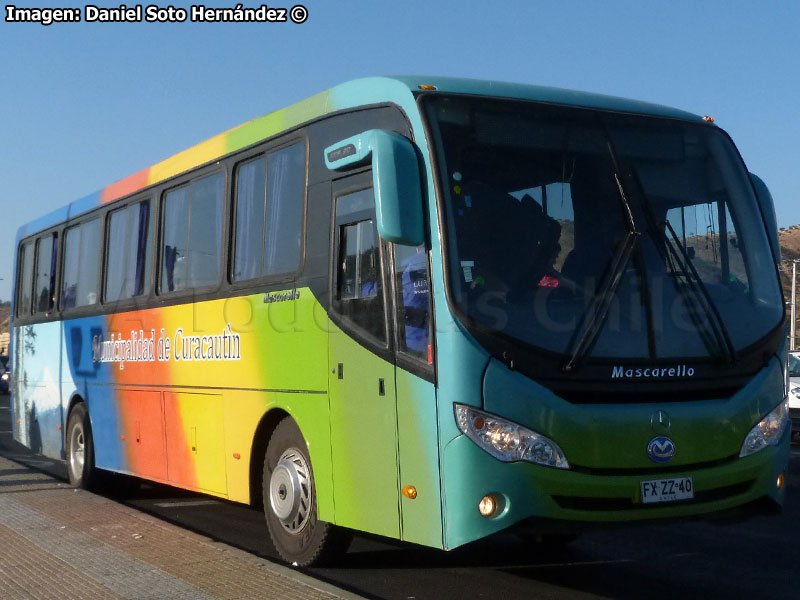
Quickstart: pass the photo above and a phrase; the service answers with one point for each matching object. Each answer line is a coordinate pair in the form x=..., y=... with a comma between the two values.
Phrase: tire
x=290, y=501
x=80, y=449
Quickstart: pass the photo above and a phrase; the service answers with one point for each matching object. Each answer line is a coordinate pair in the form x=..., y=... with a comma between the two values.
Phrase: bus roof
x=373, y=90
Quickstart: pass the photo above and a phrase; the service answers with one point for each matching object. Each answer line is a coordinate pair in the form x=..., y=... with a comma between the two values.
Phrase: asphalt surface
x=754, y=559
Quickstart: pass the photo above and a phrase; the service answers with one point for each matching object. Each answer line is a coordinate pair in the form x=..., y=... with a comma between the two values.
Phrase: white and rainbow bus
x=424, y=308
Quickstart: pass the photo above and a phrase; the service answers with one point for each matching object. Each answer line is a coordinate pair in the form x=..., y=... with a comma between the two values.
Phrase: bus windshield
x=598, y=235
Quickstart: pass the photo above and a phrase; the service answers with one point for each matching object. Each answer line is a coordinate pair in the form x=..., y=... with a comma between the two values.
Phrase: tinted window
x=359, y=291
x=45, y=278
x=598, y=235
x=81, y=259
x=359, y=259
x=192, y=234
x=269, y=214
x=25, y=279
x=413, y=299
x=128, y=268
x=250, y=208
x=285, y=185
x=709, y=235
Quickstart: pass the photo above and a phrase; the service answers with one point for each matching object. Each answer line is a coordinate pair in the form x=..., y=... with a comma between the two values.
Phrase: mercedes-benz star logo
x=660, y=422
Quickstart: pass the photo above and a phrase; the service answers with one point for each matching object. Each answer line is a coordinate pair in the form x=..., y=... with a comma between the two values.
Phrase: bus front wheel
x=290, y=502
x=80, y=448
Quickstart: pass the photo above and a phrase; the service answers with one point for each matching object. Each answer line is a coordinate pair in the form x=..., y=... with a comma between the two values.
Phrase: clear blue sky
x=83, y=105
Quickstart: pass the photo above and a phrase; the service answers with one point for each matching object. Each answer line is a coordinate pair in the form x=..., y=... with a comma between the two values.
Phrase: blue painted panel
x=83, y=373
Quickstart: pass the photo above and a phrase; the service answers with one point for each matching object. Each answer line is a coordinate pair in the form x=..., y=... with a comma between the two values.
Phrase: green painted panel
x=594, y=435
x=311, y=412
x=275, y=122
x=363, y=438
x=469, y=473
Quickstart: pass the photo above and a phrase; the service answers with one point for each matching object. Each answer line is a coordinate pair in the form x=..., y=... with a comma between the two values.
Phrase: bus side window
x=359, y=290
x=26, y=279
x=79, y=282
x=130, y=232
x=286, y=178
x=270, y=194
x=413, y=300
x=192, y=234
x=45, y=278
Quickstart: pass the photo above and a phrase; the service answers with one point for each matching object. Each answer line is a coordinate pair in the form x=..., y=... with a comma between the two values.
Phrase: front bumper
x=531, y=491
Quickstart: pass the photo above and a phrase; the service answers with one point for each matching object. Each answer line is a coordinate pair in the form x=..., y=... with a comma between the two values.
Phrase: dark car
x=5, y=374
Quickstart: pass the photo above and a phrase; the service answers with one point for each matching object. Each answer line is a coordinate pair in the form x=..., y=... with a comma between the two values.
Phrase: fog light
x=488, y=506
x=781, y=480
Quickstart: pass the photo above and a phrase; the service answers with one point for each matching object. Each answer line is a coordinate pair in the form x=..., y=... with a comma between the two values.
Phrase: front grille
x=653, y=470
x=613, y=504
x=619, y=396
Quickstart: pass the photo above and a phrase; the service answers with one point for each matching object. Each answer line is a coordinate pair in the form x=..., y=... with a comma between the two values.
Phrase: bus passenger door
x=362, y=373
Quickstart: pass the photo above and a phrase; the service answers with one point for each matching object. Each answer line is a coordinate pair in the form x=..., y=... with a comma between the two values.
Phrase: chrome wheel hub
x=290, y=491
x=77, y=451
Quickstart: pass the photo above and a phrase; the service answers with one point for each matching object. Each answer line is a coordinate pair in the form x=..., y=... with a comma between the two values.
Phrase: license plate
x=667, y=490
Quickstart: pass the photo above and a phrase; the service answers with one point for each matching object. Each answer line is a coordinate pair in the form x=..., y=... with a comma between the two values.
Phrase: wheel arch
x=74, y=400
x=261, y=437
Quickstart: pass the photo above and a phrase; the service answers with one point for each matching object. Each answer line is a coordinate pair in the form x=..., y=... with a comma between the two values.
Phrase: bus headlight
x=507, y=441
x=768, y=431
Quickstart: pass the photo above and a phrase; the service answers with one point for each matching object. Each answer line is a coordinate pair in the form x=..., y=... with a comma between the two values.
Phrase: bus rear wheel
x=80, y=448
x=290, y=502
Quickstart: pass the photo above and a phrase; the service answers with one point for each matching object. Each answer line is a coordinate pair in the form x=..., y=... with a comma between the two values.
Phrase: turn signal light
x=781, y=480
x=488, y=505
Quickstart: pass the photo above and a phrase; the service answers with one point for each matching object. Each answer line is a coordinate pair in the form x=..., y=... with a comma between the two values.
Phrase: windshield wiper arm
x=699, y=292
x=694, y=291
x=598, y=311
x=602, y=303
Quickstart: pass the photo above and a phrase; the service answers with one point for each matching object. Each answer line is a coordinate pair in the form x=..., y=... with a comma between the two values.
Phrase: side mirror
x=768, y=210
x=395, y=178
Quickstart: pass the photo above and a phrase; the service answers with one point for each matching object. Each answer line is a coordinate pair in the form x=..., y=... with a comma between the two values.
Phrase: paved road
x=750, y=560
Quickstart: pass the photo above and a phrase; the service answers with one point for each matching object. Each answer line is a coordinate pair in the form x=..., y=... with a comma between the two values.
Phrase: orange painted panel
x=125, y=186
x=143, y=432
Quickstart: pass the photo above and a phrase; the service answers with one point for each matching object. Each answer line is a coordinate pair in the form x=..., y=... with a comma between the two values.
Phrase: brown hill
x=790, y=250
x=790, y=242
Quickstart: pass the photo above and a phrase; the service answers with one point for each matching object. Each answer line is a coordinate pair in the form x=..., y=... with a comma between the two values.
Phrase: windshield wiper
x=678, y=262
x=598, y=311
x=702, y=309
x=602, y=303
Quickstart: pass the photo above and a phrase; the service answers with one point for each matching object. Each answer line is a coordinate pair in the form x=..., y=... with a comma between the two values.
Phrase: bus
x=424, y=308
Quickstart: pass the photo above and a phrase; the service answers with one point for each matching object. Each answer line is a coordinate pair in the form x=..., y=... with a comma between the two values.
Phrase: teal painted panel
x=419, y=460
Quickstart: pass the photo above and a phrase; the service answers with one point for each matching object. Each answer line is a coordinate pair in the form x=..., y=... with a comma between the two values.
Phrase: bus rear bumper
x=570, y=500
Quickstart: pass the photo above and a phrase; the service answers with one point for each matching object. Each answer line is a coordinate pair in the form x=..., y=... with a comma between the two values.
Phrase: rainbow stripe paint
x=187, y=391
x=178, y=394
x=220, y=145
